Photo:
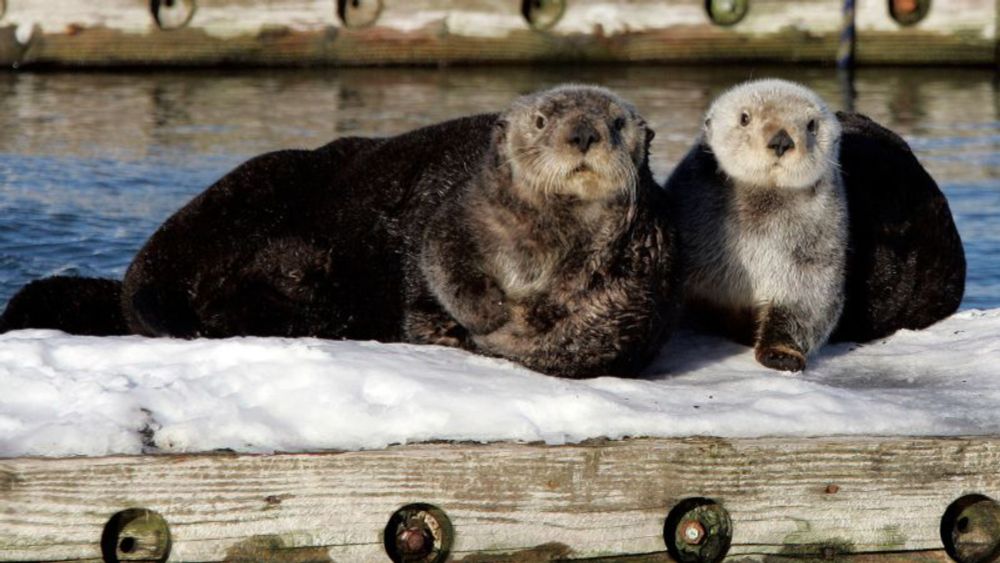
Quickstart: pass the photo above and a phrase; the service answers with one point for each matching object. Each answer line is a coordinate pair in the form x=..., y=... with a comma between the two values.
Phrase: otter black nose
x=583, y=135
x=781, y=142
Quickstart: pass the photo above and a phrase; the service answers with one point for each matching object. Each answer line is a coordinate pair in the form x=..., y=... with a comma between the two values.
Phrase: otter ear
x=642, y=123
x=500, y=130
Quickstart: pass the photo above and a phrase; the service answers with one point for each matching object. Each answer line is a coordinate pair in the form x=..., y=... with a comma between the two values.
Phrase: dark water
x=90, y=163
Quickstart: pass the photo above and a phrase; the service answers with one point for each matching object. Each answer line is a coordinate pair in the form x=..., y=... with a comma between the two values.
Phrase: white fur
x=772, y=105
x=773, y=233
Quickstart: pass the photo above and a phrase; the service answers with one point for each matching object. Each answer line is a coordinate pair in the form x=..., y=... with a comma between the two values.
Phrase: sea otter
x=762, y=215
x=556, y=251
x=537, y=235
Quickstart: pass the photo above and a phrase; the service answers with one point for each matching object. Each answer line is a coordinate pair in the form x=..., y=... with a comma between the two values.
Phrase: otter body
x=77, y=305
x=556, y=253
x=763, y=221
x=905, y=261
x=302, y=243
x=427, y=237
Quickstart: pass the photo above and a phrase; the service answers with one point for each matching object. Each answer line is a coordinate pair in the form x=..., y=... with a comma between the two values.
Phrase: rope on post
x=845, y=52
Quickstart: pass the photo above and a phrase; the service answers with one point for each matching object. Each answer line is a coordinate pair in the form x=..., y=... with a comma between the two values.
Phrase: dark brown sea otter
x=556, y=252
x=905, y=261
x=537, y=235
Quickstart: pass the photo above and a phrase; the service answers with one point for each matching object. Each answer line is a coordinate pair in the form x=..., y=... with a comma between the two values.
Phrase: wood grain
x=299, y=32
x=788, y=498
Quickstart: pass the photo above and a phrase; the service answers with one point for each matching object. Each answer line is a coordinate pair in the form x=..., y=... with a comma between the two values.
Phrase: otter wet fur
x=76, y=305
x=552, y=254
x=905, y=261
x=762, y=214
x=378, y=238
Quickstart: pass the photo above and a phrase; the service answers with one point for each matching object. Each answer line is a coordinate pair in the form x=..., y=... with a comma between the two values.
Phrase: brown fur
x=553, y=254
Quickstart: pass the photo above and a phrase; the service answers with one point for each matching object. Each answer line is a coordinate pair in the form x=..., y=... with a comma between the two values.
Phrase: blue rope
x=845, y=51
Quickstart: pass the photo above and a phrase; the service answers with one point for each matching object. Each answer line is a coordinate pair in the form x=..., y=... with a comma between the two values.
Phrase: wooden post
x=861, y=499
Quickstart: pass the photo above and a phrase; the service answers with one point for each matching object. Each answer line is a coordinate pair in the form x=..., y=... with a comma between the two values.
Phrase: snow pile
x=67, y=395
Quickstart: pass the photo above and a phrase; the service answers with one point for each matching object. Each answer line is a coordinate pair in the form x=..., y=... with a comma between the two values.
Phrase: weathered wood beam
x=302, y=32
x=870, y=499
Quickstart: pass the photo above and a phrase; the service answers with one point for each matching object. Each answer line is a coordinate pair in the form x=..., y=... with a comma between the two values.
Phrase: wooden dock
x=113, y=33
x=769, y=499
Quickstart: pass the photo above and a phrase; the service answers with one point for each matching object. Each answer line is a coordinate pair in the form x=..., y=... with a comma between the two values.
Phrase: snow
x=73, y=395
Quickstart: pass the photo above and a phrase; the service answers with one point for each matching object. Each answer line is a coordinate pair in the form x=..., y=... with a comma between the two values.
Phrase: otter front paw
x=540, y=314
x=780, y=357
x=484, y=309
x=449, y=334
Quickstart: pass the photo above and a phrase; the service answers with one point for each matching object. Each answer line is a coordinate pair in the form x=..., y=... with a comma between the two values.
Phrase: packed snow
x=74, y=395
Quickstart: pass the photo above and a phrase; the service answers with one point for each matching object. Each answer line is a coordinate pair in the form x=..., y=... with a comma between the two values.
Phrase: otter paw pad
x=781, y=358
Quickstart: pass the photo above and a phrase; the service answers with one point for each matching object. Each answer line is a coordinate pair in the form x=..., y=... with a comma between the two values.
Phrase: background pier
x=438, y=32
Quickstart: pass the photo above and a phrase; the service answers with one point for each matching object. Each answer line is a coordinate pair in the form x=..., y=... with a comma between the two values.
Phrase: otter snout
x=583, y=135
x=781, y=143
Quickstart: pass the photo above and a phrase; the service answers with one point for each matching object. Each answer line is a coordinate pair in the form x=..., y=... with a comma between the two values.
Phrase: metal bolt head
x=970, y=529
x=697, y=530
x=415, y=540
x=692, y=531
x=136, y=534
x=418, y=533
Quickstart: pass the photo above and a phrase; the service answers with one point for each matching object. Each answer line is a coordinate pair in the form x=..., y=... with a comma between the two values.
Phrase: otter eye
x=540, y=122
x=619, y=124
x=811, y=126
x=745, y=119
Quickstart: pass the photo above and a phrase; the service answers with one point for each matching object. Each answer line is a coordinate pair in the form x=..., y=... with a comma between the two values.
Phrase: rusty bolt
x=832, y=489
x=692, y=532
x=415, y=540
x=418, y=533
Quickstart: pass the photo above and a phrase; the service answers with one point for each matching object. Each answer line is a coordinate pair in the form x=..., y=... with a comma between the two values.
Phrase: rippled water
x=91, y=163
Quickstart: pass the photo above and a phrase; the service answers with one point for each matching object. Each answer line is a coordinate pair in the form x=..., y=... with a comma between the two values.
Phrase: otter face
x=773, y=133
x=579, y=141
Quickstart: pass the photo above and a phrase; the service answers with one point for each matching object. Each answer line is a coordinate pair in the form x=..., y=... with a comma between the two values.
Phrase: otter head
x=578, y=141
x=773, y=133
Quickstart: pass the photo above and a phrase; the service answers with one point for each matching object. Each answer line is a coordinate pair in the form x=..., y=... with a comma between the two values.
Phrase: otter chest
x=527, y=256
x=783, y=247
x=526, y=267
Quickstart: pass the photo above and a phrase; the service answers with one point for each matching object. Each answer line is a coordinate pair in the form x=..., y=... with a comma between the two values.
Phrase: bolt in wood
x=698, y=530
x=135, y=534
x=908, y=12
x=543, y=14
x=415, y=541
x=418, y=533
x=172, y=14
x=357, y=14
x=692, y=532
x=970, y=529
x=727, y=12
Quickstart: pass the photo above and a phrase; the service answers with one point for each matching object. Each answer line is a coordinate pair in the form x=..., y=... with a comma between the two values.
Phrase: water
x=92, y=163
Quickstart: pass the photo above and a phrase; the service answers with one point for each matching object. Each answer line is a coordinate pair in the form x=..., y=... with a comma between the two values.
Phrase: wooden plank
x=868, y=498
x=282, y=46
x=300, y=32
